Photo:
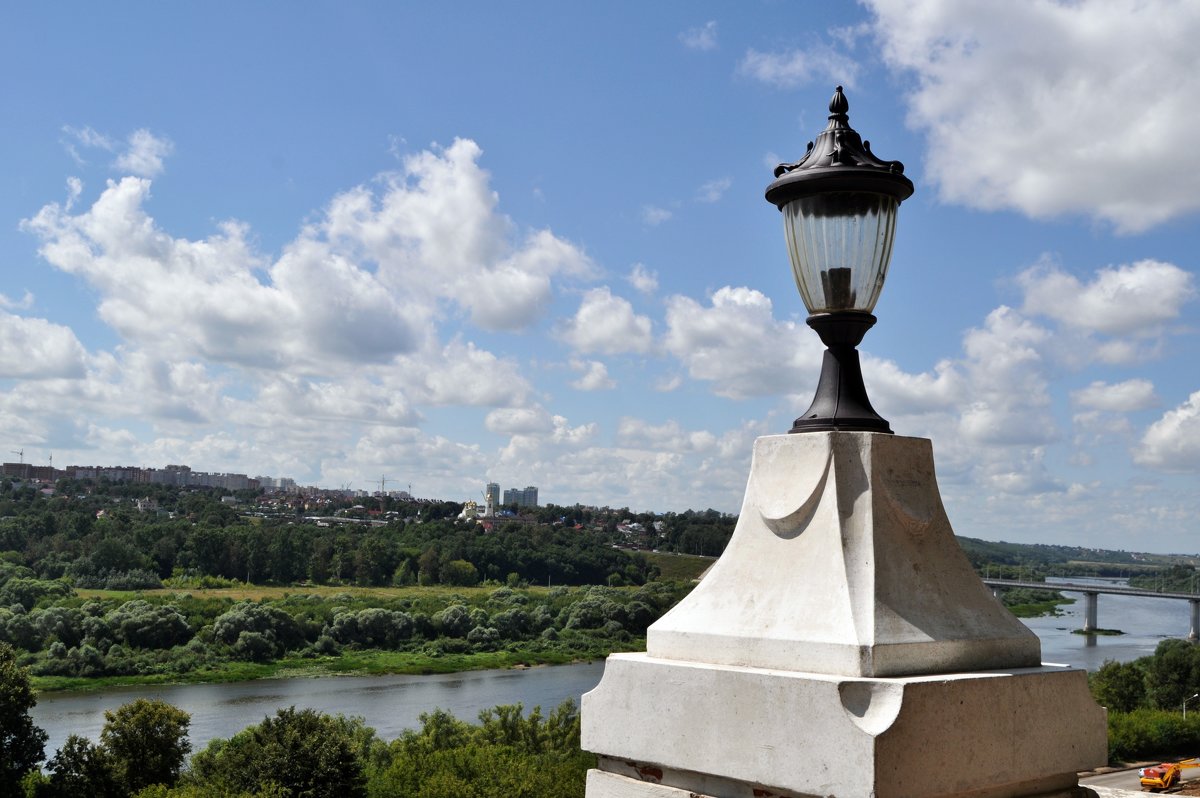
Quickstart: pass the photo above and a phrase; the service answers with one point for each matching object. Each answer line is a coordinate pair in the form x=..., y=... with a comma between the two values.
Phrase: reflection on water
x=392, y=704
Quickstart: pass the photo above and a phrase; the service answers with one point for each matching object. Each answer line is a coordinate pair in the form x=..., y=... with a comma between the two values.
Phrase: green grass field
x=679, y=567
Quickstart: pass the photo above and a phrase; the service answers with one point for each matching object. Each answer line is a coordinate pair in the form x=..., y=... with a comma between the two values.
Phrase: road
x=1118, y=779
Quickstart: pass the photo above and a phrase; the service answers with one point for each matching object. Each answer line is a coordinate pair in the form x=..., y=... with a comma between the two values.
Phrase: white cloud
x=643, y=279
x=653, y=215
x=33, y=348
x=459, y=373
x=595, y=376
x=1010, y=399
x=362, y=284
x=24, y=303
x=903, y=393
x=1050, y=108
x=1173, y=442
x=519, y=421
x=737, y=345
x=668, y=383
x=1131, y=298
x=606, y=324
x=798, y=67
x=637, y=433
x=74, y=190
x=1121, y=397
x=702, y=38
x=144, y=154
x=713, y=190
x=74, y=138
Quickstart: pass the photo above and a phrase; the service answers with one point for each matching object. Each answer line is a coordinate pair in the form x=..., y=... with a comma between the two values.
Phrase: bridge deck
x=1081, y=588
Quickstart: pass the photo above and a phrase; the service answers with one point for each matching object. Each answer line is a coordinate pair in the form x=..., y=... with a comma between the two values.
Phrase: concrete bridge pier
x=1089, y=612
x=1194, y=634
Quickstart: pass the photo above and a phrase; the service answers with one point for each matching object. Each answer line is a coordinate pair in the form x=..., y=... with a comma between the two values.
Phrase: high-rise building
x=522, y=498
x=493, y=492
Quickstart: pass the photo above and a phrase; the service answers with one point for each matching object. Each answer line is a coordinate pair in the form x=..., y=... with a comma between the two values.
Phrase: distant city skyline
x=371, y=240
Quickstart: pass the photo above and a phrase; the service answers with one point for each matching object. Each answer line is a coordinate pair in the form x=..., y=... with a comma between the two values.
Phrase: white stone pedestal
x=728, y=732
x=842, y=646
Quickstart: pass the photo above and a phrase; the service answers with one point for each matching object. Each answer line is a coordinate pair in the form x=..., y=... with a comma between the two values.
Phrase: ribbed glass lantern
x=840, y=246
x=839, y=205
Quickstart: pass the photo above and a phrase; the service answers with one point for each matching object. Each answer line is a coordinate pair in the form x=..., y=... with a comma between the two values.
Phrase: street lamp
x=1185, y=702
x=839, y=206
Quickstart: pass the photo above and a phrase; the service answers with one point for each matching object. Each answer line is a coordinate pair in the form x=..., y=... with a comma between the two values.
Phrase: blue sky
x=454, y=243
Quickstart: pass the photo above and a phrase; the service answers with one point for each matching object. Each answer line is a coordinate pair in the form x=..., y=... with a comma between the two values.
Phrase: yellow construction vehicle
x=1166, y=775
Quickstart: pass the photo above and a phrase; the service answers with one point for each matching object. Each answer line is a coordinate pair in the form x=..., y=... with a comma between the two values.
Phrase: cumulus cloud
x=144, y=153
x=1121, y=397
x=1009, y=387
x=458, y=373
x=669, y=436
x=32, y=348
x=519, y=421
x=1083, y=101
x=643, y=279
x=1130, y=298
x=362, y=284
x=702, y=38
x=737, y=345
x=1173, y=442
x=594, y=378
x=790, y=69
x=606, y=324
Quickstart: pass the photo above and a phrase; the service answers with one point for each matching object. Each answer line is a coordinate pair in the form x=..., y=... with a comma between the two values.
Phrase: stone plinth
x=718, y=730
x=842, y=646
x=843, y=561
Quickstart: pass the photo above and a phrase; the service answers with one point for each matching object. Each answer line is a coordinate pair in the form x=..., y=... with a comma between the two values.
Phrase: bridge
x=1091, y=593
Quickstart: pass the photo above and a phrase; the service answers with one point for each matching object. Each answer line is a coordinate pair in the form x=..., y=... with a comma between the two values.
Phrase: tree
x=146, y=741
x=1172, y=673
x=80, y=768
x=21, y=743
x=1119, y=686
x=305, y=754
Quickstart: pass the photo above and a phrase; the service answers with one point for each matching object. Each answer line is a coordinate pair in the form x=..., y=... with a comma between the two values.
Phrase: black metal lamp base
x=841, y=402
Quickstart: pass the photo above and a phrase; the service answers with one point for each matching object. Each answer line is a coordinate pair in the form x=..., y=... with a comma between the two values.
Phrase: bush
x=1151, y=734
x=141, y=624
x=270, y=622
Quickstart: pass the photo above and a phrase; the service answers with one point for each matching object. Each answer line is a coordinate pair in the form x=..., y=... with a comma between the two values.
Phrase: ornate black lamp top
x=839, y=160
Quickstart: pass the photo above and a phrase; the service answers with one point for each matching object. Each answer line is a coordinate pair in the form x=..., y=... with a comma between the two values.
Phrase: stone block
x=843, y=562
x=734, y=732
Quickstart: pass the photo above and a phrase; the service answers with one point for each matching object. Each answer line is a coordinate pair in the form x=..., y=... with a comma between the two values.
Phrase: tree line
x=93, y=536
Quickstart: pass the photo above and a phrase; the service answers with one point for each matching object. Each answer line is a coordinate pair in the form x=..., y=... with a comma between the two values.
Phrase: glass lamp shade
x=840, y=244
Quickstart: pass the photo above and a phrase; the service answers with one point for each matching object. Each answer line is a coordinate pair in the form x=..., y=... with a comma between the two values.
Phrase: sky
x=441, y=244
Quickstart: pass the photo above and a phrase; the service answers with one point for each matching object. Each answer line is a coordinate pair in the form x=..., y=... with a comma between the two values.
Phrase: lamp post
x=839, y=206
x=1185, y=703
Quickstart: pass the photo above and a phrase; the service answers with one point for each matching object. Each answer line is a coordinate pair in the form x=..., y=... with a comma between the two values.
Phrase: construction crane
x=1166, y=775
x=21, y=454
x=383, y=481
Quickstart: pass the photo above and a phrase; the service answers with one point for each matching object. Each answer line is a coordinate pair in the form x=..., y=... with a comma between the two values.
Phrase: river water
x=391, y=704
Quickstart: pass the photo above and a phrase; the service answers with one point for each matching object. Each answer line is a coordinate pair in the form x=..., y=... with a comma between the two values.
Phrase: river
x=391, y=704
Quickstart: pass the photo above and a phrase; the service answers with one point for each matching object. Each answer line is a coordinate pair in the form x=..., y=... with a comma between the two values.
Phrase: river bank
x=357, y=663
